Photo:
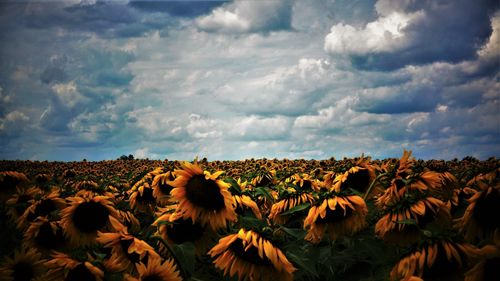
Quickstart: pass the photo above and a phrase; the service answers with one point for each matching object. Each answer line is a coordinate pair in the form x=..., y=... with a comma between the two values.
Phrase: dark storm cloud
x=180, y=8
x=444, y=31
x=107, y=19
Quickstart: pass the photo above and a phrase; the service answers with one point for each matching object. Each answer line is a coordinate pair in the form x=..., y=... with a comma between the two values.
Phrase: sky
x=231, y=80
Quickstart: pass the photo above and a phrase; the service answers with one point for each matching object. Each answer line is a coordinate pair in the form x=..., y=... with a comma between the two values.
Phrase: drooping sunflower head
x=126, y=250
x=161, y=188
x=202, y=197
x=440, y=260
x=177, y=230
x=394, y=226
x=335, y=216
x=244, y=202
x=303, y=182
x=48, y=205
x=358, y=178
x=142, y=199
x=20, y=201
x=251, y=256
x=85, y=216
x=487, y=265
x=63, y=267
x=27, y=264
x=44, y=235
x=290, y=198
x=9, y=181
x=480, y=218
x=155, y=270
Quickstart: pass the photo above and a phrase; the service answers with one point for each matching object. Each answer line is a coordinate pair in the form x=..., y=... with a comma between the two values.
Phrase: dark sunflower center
x=80, y=273
x=22, y=271
x=399, y=184
x=251, y=255
x=146, y=197
x=358, y=181
x=44, y=208
x=264, y=181
x=491, y=269
x=90, y=216
x=307, y=184
x=133, y=257
x=335, y=215
x=204, y=193
x=442, y=268
x=487, y=209
x=21, y=203
x=165, y=188
x=152, y=277
x=47, y=239
x=185, y=231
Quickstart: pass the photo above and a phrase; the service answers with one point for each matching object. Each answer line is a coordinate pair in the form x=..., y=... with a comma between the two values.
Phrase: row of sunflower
x=354, y=219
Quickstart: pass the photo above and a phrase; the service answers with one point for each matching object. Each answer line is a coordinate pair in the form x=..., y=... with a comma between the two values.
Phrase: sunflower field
x=256, y=219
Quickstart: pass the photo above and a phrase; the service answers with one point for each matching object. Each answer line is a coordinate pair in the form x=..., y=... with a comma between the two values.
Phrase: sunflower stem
x=372, y=185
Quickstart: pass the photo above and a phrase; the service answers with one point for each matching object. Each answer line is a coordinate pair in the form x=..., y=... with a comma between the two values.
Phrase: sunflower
x=9, y=181
x=480, y=218
x=85, y=216
x=19, y=202
x=335, y=216
x=25, y=265
x=487, y=267
x=440, y=260
x=243, y=202
x=161, y=189
x=47, y=205
x=303, y=182
x=142, y=199
x=129, y=220
x=358, y=178
x=126, y=250
x=63, y=267
x=177, y=230
x=156, y=270
x=251, y=256
x=202, y=197
x=392, y=227
x=292, y=199
x=44, y=235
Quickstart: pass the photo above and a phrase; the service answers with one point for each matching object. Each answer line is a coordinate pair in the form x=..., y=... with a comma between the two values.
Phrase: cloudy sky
x=232, y=80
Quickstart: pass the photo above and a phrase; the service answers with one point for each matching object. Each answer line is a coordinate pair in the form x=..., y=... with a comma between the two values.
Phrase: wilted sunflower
x=487, y=267
x=20, y=201
x=156, y=270
x=480, y=219
x=335, y=217
x=85, y=216
x=202, y=197
x=243, y=202
x=251, y=257
x=44, y=235
x=290, y=197
x=126, y=250
x=9, y=181
x=177, y=230
x=303, y=182
x=25, y=265
x=441, y=260
x=142, y=199
x=49, y=204
x=63, y=267
x=358, y=178
x=161, y=188
x=394, y=226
